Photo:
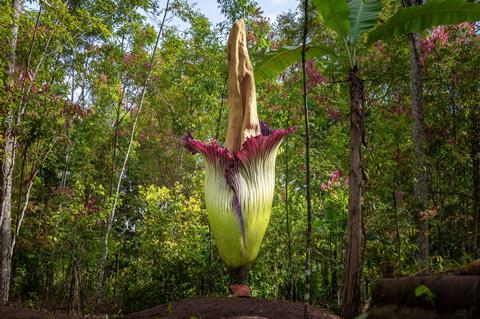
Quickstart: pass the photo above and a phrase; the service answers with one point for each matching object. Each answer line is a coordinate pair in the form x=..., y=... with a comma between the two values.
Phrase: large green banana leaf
x=335, y=15
x=363, y=16
x=276, y=61
x=419, y=18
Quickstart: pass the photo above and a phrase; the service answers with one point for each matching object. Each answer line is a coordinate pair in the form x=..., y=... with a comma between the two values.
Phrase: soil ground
x=16, y=312
x=231, y=308
x=199, y=308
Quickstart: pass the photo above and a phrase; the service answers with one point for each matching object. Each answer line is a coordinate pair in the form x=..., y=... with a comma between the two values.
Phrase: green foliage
x=420, y=18
x=276, y=61
x=363, y=16
x=170, y=251
x=423, y=290
x=335, y=14
x=237, y=9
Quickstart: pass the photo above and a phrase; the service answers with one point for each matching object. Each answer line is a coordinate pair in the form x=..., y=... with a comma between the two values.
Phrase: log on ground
x=451, y=293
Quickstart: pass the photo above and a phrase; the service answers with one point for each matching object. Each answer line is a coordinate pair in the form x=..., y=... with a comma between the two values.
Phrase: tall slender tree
x=419, y=139
x=475, y=156
x=308, y=198
x=8, y=159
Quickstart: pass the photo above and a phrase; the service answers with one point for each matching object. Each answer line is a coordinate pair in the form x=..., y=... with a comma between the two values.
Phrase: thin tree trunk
x=67, y=269
x=71, y=288
x=115, y=140
x=50, y=276
x=307, y=166
x=37, y=21
x=220, y=113
x=31, y=181
x=24, y=209
x=334, y=278
x=287, y=218
x=475, y=138
x=353, y=263
x=20, y=185
x=81, y=301
x=8, y=164
x=27, y=88
x=116, y=125
x=420, y=184
x=451, y=96
x=399, y=242
x=419, y=139
x=111, y=217
x=397, y=218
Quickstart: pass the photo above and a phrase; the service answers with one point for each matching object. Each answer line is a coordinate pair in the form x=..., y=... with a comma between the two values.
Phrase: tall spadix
x=242, y=98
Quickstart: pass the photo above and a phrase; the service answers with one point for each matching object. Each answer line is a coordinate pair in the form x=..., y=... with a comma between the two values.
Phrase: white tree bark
x=8, y=165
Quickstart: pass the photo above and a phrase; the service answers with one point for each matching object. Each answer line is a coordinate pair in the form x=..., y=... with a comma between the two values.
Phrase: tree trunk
x=24, y=210
x=116, y=126
x=308, y=247
x=399, y=241
x=287, y=219
x=8, y=164
x=353, y=264
x=50, y=277
x=334, y=276
x=475, y=138
x=420, y=184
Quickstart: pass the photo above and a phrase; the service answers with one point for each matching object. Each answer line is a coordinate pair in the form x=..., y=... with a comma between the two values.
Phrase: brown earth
x=15, y=312
x=231, y=308
x=199, y=308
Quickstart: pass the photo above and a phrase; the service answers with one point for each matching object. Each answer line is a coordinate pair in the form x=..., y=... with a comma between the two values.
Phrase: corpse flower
x=240, y=177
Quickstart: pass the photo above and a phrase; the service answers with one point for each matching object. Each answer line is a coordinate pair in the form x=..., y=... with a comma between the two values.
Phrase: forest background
x=73, y=93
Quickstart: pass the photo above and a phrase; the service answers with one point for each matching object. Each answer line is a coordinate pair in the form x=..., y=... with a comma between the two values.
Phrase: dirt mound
x=198, y=308
x=231, y=308
x=14, y=312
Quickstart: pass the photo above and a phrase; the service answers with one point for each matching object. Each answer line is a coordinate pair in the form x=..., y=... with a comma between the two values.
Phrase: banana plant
x=351, y=21
x=240, y=177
